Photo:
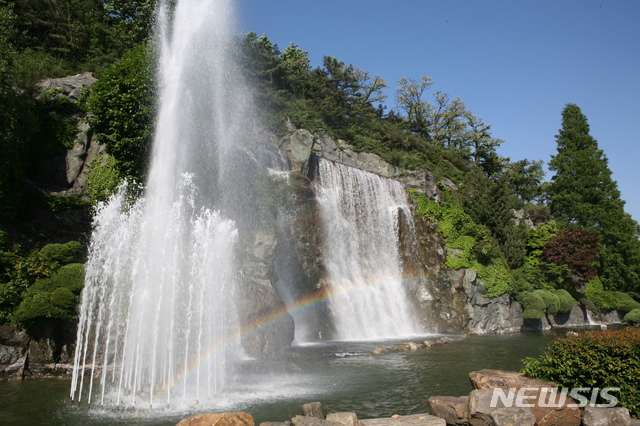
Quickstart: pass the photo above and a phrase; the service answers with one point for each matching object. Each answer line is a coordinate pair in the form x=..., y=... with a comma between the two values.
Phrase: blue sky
x=514, y=63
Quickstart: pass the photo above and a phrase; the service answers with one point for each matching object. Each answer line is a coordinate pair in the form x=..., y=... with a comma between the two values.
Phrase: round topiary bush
x=551, y=301
x=62, y=253
x=532, y=301
x=532, y=314
x=567, y=302
x=632, y=317
x=626, y=303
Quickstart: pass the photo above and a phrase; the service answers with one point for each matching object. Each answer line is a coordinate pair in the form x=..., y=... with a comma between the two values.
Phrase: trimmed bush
x=632, y=318
x=69, y=276
x=551, y=301
x=594, y=359
x=62, y=253
x=55, y=297
x=567, y=302
x=532, y=314
x=532, y=301
x=626, y=302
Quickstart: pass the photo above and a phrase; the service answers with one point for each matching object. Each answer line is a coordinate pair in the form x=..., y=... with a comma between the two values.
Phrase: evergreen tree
x=583, y=194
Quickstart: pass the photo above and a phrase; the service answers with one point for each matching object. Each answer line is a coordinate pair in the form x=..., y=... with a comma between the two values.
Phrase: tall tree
x=582, y=193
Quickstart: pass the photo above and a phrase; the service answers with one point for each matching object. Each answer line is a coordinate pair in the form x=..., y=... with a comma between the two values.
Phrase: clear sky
x=514, y=63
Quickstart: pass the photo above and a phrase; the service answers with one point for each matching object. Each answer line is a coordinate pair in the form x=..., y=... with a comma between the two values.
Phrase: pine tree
x=582, y=194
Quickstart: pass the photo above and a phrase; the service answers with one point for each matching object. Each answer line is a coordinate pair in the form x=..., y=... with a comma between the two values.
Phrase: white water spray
x=360, y=212
x=158, y=310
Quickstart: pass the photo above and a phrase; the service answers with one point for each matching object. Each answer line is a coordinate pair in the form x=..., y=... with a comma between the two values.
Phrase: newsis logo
x=552, y=397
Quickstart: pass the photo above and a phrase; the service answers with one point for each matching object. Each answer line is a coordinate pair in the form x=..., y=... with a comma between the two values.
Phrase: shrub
x=602, y=299
x=626, y=302
x=496, y=277
x=532, y=301
x=551, y=301
x=632, y=317
x=55, y=297
x=532, y=314
x=567, y=302
x=69, y=276
x=62, y=253
x=594, y=359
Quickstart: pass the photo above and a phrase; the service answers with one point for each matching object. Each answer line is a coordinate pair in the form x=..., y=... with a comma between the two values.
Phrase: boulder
x=239, y=418
x=554, y=410
x=513, y=417
x=346, y=418
x=604, y=416
x=454, y=410
x=489, y=379
x=313, y=421
x=412, y=420
x=313, y=409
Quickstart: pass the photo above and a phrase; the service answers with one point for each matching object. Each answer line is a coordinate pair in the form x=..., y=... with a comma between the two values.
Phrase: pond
x=343, y=376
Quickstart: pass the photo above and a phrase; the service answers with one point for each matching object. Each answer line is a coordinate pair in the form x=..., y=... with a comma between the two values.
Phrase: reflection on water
x=342, y=375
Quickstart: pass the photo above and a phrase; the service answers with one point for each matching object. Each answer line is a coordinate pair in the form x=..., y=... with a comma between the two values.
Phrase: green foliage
x=602, y=299
x=551, y=301
x=30, y=286
x=532, y=301
x=104, y=178
x=496, y=277
x=532, y=314
x=632, y=317
x=567, y=302
x=62, y=253
x=594, y=359
x=626, y=303
x=122, y=107
x=60, y=203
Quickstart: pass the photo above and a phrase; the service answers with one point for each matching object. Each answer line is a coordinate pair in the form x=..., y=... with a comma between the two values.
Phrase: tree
x=524, y=177
x=122, y=108
x=576, y=248
x=409, y=99
x=582, y=193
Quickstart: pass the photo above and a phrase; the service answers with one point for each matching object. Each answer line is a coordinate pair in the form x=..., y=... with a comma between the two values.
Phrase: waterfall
x=158, y=321
x=361, y=215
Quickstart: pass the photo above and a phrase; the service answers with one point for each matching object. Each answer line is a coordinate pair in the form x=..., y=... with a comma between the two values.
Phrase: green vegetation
x=41, y=284
x=594, y=359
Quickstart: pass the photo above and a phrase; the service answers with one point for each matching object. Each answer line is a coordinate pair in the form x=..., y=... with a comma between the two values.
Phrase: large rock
x=554, y=410
x=313, y=409
x=411, y=420
x=604, y=416
x=239, y=418
x=313, y=421
x=485, y=410
x=454, y=410
x=345, y=418
x=489, y=379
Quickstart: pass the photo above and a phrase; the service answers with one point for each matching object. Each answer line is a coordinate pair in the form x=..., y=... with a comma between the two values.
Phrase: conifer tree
x=583, y=194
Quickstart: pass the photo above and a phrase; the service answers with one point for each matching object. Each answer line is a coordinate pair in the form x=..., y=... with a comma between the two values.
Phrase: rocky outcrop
x=67, y=174
x=45, y=351
x=300, y=147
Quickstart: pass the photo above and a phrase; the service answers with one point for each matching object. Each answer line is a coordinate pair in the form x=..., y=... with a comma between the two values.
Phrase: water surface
x=342, y=376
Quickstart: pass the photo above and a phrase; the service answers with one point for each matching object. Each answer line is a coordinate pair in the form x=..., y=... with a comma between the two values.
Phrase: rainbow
x=253, y=327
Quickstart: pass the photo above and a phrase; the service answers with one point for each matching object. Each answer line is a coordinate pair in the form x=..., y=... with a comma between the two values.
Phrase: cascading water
x=158, y=318
x=360, y=212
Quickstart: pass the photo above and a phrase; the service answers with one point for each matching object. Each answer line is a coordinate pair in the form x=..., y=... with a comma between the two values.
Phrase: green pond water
x=342, y=376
